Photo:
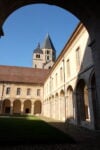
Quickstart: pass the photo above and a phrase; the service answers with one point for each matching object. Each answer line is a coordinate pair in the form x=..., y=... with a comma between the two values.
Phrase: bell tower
x=38, y=57
x=44, y=57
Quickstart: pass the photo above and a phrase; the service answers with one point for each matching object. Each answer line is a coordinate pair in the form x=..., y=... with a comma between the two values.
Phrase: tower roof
x=38, y=50
x=48, y=43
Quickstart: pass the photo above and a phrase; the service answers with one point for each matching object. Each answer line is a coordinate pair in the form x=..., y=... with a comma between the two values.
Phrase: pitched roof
x=23, y=74
x=48, y=43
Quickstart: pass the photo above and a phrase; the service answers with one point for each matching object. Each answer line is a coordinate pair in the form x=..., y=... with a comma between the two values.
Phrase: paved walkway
x=85, y=139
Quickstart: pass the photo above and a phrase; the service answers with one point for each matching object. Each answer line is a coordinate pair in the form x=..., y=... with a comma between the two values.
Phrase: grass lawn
x=29, y=130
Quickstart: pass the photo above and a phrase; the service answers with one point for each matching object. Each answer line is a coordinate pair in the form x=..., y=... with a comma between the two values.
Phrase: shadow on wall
x=85, y=92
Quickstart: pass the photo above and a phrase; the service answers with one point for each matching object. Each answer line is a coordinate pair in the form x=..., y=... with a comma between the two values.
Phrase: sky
x=28, y=26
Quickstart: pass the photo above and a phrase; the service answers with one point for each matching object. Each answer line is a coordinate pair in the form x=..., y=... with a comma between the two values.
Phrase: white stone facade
x=68, y=88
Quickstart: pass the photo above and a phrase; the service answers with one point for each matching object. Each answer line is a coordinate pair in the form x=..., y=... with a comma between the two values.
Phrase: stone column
x=91, y=108
x=22, y=108
x=32, y=109
x=11, y=108
x=95, y=45
x=54, y=108
x=1, y=106
x=59, y=113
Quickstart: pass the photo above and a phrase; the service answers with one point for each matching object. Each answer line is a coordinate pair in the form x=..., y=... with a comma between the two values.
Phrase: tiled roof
x=23, y=74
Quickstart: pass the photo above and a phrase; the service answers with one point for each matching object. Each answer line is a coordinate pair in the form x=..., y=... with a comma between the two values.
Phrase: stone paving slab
x=83, y=137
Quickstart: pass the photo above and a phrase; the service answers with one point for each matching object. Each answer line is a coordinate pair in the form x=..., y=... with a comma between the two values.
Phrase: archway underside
x=85, y=11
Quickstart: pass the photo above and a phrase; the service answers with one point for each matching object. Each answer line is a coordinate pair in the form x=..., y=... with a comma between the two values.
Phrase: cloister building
x=64, y=92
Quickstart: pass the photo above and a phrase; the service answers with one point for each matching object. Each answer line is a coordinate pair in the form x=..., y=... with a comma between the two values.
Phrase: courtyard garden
x=29, y=130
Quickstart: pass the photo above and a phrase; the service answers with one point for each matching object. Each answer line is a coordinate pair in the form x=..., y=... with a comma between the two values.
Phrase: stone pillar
x=1, y=106
x=59, y=113
x=75, y=106
x=32, y=109
x=22, y=108
x=50, y=106
x=91, y=107
x=62, y=108
x=11, y=108
x=54, y=108
x=95, y=45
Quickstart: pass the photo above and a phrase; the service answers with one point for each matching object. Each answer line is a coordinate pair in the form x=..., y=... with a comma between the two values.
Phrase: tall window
x=35, y=66
x=28, y=91
x=52, y=82
x=47, y=88
x=8, y=90
x=47, y=57
x=18, y=91
x=68, y=67
x=38, y=92
x=56, y=79
x=48, y=52
x=78, y=57
x=61, y=74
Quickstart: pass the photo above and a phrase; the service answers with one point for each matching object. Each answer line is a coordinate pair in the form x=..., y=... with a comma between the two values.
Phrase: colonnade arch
x=6, y=106
x=88, y=13
x=83, y=112
x=27, y=106
x=21, y=107
x=37, y=107
x=17, y=106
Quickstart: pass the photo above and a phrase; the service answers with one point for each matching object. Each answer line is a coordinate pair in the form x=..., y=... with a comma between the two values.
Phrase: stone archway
x=83, y=111
x=17, y=107
x=6, y=106
x=27, y=107
x=37, y=107
x=88, y=13
x=94, y=97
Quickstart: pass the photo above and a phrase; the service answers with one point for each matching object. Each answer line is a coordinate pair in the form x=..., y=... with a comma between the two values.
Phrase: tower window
x=35, y=66
x=38, y=56
x=48, y=52
x=47, y=57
